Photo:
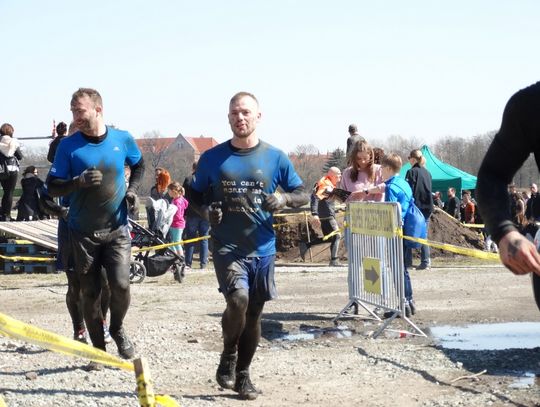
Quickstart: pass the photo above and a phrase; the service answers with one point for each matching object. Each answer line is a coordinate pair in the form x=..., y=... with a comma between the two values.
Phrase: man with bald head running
x=237, y=181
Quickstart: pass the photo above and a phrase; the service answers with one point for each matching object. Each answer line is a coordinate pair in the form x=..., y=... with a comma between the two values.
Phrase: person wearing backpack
x=10, y=154
x=396, y=189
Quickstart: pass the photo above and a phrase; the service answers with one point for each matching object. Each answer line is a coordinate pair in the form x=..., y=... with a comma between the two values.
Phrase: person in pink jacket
x=362, y=174
x=176, y=192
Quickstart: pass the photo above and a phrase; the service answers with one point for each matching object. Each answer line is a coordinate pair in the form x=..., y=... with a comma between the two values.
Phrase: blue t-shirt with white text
x=240, y=179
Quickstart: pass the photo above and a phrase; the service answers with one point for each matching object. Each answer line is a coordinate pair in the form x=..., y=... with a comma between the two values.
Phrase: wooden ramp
x=41, y=232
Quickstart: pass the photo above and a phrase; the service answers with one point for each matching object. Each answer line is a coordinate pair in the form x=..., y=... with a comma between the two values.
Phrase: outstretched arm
x=512, y=145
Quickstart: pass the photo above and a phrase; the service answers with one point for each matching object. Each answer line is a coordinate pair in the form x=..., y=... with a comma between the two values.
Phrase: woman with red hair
x=159, y=190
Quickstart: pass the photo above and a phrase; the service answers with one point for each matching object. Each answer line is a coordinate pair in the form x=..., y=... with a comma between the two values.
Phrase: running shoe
x=125, y=346
x=225, y=374
x=243, y=386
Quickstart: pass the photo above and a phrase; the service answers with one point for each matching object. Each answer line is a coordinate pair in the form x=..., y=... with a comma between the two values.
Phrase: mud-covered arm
x=137, y=173
x=297, y=197
x=90, y=177
x=61, y=187
x=278, y=200
x=511, y=146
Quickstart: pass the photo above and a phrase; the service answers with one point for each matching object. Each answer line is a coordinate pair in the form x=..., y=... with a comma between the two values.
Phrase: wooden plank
x=40, y=232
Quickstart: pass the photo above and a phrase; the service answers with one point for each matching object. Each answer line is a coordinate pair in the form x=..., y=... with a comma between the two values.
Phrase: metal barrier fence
x=376, y=266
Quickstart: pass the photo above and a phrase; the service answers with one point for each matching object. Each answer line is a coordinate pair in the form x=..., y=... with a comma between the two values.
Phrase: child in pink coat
x=176, y=192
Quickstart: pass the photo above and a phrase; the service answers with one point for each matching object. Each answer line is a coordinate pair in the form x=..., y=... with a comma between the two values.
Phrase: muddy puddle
x=510, y=335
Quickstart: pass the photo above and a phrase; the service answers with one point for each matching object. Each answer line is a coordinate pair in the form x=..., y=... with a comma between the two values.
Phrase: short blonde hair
x=93, y=94
x=392, y=161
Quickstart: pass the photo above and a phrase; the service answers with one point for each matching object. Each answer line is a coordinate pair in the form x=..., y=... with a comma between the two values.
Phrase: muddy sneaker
x=80, y=336
x=125, y=347
x=424, y=266
x=303, y=250
x=244, y=387
x=225, y=375
x=106, y=333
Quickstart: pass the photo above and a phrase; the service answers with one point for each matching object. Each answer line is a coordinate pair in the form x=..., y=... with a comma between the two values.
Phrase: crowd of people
x=232, y=194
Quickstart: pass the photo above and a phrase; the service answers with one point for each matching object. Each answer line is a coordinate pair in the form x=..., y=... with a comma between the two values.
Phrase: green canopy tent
x=444, y=175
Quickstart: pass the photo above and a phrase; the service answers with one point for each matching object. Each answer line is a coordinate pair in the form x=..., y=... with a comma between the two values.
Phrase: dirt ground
x=304, y=358
x=177, y=328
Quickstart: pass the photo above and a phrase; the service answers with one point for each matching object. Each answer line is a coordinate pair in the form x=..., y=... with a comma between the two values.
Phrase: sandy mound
x=292, y=228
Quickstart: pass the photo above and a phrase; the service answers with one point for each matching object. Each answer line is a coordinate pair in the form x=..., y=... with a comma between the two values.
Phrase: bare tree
x=153, y=154
x=396, y=143
x=308, y=163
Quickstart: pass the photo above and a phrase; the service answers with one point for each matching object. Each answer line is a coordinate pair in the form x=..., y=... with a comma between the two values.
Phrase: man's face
x=243, y=116
x=534, y=188
x=451, y=193
x=86, y=115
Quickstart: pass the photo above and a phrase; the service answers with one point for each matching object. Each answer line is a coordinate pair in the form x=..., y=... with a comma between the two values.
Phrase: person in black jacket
x=518, y=137
x=61, y=131
x=452, y=205
x=420, y=181
x=10, y=154
x=28, y=205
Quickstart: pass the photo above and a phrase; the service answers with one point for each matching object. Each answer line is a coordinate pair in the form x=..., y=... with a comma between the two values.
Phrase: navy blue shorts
x=254, y=274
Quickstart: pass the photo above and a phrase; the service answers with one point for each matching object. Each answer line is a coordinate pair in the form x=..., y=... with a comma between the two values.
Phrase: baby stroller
x=155, y=263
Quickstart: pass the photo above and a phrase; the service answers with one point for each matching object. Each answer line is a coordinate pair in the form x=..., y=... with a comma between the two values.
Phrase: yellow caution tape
x=278, y=215
x=480, y=254
x=145, y=393
x=13, y=328
x=454, y=249
x=335, y=232
x=469, y=225
x=57, y=343
x=27, y=258
x=165, y=245
x=166, y=401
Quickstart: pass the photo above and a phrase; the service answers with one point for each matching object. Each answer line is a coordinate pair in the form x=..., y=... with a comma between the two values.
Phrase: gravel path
x=177, y=328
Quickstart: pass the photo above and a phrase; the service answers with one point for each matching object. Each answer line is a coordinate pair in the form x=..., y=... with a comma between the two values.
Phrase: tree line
x=463, y=153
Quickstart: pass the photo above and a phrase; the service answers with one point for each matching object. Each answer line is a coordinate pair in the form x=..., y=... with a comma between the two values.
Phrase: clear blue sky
x=424, y=69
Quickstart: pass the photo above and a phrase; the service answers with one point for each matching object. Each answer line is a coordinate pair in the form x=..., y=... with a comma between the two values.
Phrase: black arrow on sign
x=371, y=275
